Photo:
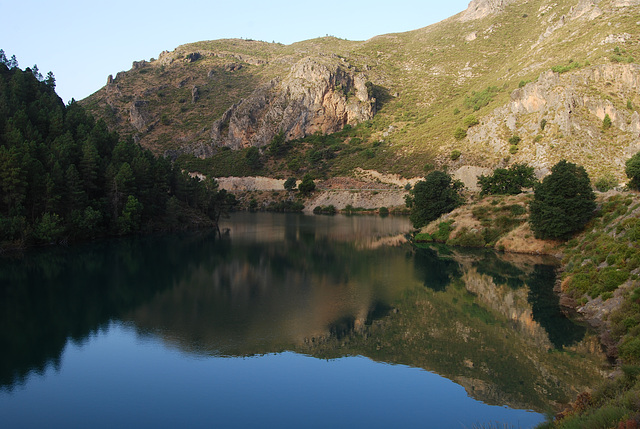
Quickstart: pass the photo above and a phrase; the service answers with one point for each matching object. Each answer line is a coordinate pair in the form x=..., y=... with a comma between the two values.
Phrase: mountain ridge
x=422, y=86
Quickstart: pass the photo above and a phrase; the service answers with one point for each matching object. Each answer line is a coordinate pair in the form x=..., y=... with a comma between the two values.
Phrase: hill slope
x=473, y=83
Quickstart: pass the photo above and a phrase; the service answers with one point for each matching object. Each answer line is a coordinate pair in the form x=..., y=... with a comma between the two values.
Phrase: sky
x=82, y=42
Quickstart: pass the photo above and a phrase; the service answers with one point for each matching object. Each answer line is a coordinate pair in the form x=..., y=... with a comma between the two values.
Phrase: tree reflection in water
x=323, y=286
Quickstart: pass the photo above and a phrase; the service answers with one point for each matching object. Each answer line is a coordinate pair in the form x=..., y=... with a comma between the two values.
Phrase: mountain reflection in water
x=323, y=286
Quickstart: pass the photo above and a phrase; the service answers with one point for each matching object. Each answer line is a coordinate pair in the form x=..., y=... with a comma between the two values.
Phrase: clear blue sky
x=82, y=42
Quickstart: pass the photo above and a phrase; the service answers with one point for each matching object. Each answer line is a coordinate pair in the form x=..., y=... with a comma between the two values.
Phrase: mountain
x=501, y=82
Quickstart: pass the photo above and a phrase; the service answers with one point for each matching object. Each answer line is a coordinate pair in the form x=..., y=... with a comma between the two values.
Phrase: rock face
x=567, y=105
x=316, y=96
x=139, y=115
x=478, y=9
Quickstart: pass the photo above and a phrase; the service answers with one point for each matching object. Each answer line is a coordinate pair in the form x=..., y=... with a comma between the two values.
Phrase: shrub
x=605, y=183
x=514, y=140
x=513, y=149
x=563, y=69
x=606, y=122
x=307, y=186
x=563, y=203
x=383, y=211
x=459, y=133
x=467, y=238
x=444, y=230
x=290, y=184
x=470, y=121
x=253, y=205
x=543, y=123
x=480, y=99
x=455, y=154
x=423, y=238
x=507, y=181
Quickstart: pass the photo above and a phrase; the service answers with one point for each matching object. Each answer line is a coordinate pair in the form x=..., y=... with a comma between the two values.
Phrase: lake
x=286, y=320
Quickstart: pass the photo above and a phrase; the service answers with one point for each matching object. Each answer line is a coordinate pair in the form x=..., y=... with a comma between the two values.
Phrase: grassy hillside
x=430, y=81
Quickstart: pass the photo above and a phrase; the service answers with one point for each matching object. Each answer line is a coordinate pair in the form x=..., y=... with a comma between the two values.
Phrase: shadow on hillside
x=380, y=93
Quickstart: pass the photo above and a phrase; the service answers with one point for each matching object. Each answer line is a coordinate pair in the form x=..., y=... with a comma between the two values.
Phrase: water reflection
x=318, y=285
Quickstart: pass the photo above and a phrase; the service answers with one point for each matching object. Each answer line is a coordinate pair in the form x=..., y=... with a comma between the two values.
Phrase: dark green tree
x=563, y=203
x=278, y=146
x=432, y=197
x=307, y=186
x=290, y=184
x=632, y=169
x=50, y=80
x=509, y=181
x=253, y=158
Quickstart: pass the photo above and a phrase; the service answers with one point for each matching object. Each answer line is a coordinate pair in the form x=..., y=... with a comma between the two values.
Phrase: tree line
x=563, y=202
x=65, y=176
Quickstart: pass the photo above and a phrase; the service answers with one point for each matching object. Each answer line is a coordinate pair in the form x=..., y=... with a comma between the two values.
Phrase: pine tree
x=563, y=203
x=432, y=197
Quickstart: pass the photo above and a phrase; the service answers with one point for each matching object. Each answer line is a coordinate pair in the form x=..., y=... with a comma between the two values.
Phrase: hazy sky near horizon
x=83, y=42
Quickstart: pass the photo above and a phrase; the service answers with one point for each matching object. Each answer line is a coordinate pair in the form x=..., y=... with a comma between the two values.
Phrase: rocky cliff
x=318, y=95
x=561, y=116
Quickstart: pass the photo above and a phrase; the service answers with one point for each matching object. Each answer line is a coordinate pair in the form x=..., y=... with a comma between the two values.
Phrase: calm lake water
x=285, y=321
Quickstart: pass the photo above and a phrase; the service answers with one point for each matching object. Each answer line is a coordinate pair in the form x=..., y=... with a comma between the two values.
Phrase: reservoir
x=288, y=321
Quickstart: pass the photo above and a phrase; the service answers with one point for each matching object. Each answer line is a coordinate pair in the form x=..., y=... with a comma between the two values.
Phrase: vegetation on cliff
x=65, y=176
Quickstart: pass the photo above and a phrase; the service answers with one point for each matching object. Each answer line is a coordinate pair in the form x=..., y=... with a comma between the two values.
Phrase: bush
x=606, y=183
x=290, y=184
x=514, y=140
x=423, y=238
x=467, y=238
x=480, y=99
x=432, y=197
x=455, y=154
x=459, y=133
x=307, y=186
x=507, y=181
x=444, y=230
x=330, y=210
x=543, y=123
x=563, y=203
x=513, y=149
x=383, y=211
x=253, y=205
x=606, y=122
x=470, y=121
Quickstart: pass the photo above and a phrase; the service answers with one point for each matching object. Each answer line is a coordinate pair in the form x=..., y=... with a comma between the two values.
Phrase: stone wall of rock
x=318, y=95
x=573, y=105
